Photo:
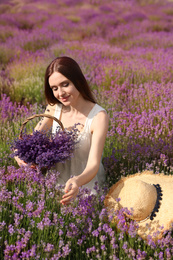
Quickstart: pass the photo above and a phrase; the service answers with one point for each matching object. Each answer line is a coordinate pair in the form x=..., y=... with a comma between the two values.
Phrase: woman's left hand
x=71, y=189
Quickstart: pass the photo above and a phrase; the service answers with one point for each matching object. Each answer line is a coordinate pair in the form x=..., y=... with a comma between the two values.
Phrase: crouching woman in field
x=71, y=101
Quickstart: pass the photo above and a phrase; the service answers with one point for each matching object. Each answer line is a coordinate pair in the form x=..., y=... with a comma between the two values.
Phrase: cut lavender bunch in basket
x=43, y=149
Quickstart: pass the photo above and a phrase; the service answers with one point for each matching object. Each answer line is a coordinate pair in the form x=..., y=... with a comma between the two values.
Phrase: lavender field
x=125, y=49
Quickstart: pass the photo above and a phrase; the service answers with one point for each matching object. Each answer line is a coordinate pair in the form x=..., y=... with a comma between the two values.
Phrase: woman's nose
x=61, y=92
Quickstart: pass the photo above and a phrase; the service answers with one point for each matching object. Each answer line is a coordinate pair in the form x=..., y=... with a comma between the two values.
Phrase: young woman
x=71, y=101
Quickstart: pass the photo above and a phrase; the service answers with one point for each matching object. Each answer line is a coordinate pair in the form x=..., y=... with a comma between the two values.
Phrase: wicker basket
x=44, y=169
x=39, y=115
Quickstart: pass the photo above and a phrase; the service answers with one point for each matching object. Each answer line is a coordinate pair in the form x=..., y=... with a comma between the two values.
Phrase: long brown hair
x=71, y=70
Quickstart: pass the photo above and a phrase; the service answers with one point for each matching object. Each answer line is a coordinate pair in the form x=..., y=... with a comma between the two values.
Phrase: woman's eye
x=66, y=84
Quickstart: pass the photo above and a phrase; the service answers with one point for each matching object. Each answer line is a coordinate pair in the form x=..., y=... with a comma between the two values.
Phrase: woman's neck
x=82, y=106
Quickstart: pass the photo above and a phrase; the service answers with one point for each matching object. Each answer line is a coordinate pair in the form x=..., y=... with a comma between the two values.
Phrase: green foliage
x=36, y=44
x=5, y=34
x=28, y=90
x=4, y=8
x=28, y=85
x=6, y=55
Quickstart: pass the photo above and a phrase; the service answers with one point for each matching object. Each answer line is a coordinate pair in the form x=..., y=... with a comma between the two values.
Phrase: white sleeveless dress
x=75, y=165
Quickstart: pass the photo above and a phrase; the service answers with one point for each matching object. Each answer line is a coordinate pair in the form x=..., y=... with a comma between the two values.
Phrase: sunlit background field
x=125, y=49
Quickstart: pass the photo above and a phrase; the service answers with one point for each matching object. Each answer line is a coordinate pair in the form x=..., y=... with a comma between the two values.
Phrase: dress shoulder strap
x=58, y=109
x=55, y=125
x=94, y=111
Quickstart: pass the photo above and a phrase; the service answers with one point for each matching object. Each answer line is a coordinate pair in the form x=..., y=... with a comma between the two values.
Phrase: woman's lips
x=64, y=98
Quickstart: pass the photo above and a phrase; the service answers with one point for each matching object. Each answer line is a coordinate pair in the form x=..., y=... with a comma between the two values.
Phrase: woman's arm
x=99, y=130
x=45, y=123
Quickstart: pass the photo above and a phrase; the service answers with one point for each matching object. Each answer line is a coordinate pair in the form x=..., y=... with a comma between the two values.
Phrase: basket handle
x=39, y=115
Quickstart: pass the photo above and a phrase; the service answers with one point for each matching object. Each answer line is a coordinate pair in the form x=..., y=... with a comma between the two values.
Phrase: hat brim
x=164, y=217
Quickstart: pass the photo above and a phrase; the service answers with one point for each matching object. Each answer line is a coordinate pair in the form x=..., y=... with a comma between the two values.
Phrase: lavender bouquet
x=44, y=150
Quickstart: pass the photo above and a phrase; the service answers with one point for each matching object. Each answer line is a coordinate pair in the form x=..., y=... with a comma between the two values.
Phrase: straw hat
x=149, y=197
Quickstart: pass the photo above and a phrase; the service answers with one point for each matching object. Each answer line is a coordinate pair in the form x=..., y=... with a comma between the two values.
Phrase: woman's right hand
x=20, y=162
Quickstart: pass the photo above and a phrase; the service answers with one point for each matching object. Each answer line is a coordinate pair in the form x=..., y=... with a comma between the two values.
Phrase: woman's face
x=63, y=89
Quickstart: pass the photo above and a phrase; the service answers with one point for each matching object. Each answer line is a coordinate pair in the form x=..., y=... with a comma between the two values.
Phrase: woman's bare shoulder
x=100, y=122
x=102, y=117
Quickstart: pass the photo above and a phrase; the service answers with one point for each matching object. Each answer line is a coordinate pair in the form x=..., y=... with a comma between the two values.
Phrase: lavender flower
x=44, y=149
